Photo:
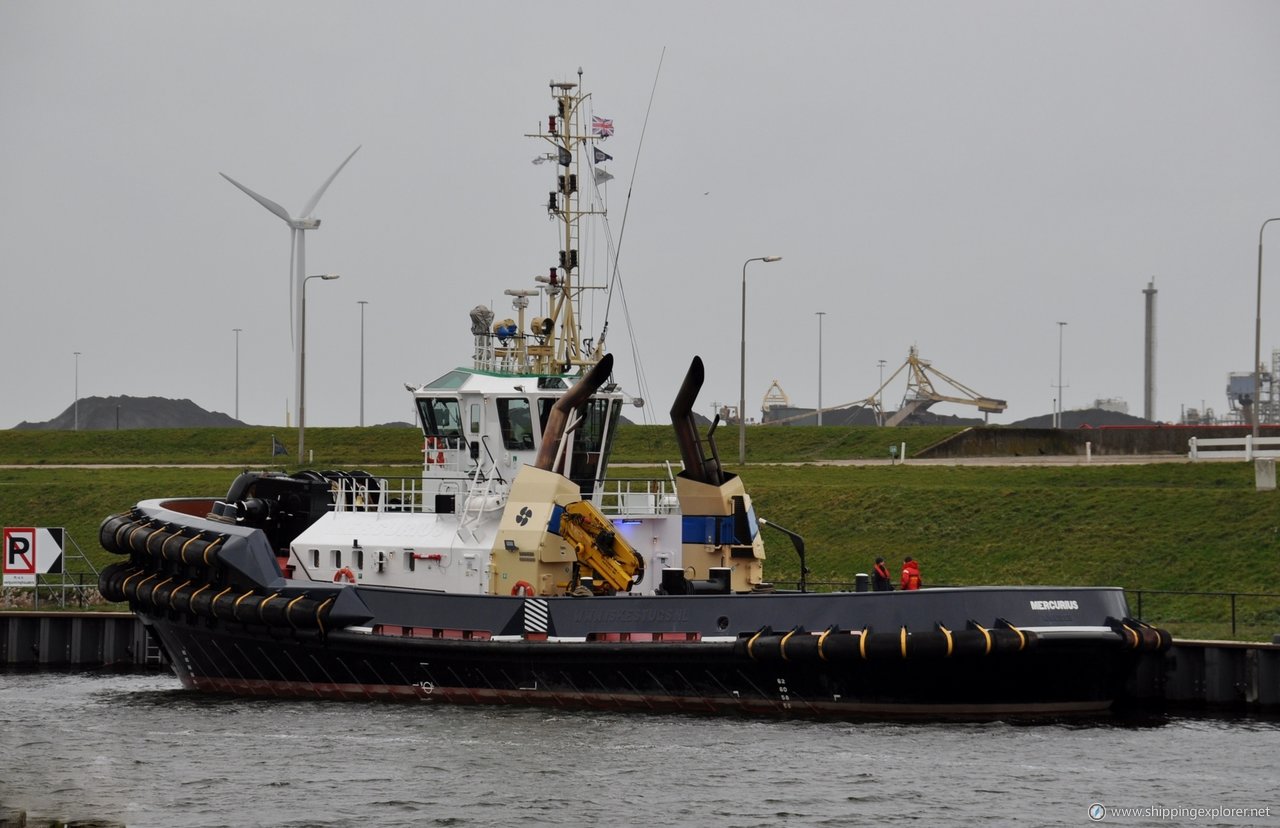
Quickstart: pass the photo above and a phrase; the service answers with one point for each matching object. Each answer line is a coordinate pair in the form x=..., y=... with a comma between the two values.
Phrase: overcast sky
x=958, y=176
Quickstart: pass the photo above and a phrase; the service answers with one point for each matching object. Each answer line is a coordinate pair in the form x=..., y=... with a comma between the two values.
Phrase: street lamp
x=1257, y=337
x=77, y=403
x=362, y=303
x=1061, y=325
x=237, y=330
x=820, y=314
x=302, y=360
x=742, y=386
x=880, y=363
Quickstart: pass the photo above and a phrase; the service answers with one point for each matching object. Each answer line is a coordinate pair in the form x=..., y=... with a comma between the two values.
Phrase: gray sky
x=957, y=176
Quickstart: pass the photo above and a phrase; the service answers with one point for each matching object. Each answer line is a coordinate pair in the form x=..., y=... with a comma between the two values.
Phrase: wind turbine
x=298, y=227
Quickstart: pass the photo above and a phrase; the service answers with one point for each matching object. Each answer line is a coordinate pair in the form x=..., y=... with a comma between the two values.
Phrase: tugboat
x=514, y=570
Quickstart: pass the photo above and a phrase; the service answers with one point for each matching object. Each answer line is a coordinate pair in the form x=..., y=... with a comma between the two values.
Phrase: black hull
x=1053, y=679
x=230, y=622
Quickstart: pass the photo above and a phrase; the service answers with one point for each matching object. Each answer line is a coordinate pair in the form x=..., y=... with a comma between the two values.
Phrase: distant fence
x=1247, y=447
x=82, y=592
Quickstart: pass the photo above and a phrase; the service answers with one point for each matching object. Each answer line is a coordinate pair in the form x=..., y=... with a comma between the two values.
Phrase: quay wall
x=1213, y=675
x=1106, y=440
x=75, y=639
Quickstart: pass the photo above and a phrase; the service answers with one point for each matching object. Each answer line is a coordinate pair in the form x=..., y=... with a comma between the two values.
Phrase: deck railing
x=629, y=496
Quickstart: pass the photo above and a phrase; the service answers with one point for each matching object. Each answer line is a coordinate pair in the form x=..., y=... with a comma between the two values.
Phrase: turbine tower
x=298, y=227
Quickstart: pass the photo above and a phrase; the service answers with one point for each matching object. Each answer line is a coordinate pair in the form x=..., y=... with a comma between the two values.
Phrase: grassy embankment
x=1155, y=527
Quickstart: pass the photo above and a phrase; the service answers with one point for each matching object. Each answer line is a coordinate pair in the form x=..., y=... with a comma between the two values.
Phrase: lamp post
x=820, y=314
x=237, y=330
x=1257, y=337
x=362, y=303
x=742, y=384
x=880, y=412
x=77, y=402
x=302, y=360
x=1061, y=325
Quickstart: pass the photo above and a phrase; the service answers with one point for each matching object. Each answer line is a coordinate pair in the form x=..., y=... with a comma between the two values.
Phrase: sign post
x=29, y=552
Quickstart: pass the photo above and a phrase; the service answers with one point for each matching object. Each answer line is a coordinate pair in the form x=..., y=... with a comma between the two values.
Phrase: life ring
x=427, y=447
x=344, y=574
x=523, y=588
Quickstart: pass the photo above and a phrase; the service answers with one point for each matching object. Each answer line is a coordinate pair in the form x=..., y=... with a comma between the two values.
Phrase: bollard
x=861, y=582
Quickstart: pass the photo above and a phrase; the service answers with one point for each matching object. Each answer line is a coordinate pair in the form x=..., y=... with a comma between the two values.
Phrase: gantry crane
x=921, y=394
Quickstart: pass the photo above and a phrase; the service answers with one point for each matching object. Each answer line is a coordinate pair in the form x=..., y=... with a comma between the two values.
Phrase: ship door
x=592, y=442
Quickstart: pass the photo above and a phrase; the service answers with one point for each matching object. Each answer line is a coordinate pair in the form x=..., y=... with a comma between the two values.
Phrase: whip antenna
x=615, y=279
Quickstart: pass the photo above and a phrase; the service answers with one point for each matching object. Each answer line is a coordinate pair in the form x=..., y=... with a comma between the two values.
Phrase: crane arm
x=599, y=547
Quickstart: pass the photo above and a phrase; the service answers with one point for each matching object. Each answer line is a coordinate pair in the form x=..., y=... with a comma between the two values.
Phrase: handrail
x=850, y=586
x=1231, y=595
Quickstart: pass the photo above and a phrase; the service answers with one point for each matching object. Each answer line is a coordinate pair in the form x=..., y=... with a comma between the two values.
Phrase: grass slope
x=1170, y=526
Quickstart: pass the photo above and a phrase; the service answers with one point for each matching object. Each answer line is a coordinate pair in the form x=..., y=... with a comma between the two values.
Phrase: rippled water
x=139, y=750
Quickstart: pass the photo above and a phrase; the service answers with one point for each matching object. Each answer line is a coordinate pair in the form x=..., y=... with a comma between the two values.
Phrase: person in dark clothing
x=880, y=577
x=910, y=573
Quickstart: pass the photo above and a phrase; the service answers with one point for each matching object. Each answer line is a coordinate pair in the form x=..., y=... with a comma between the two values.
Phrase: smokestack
x=1149, y=356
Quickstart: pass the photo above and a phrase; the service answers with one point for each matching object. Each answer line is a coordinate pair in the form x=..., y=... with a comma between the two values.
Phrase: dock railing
x=1251, y=615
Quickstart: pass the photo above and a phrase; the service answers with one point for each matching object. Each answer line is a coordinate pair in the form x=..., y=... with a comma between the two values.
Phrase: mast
x=551, y=345
x=570, y=135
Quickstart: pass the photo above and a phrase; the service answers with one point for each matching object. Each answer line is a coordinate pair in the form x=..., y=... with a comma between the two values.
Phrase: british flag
x=602, y=127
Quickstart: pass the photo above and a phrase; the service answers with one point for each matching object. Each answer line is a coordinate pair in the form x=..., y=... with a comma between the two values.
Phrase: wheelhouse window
x=442, y=418
x=516, y=421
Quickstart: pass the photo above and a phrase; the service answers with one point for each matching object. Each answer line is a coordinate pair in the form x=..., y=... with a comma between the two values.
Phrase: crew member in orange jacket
x=910, y=573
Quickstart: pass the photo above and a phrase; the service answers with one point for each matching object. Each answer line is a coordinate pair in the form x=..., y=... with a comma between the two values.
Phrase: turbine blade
x=263, y=200
x=315, y=199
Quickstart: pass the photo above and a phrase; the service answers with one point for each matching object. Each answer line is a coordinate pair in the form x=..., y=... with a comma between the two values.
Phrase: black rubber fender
x=111, y=578
x=108, y=532
x=837, y=645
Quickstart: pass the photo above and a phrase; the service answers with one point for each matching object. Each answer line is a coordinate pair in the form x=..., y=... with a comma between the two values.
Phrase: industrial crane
x=920, y=394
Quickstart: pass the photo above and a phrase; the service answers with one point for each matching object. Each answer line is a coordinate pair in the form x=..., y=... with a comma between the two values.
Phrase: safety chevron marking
x=536, y=615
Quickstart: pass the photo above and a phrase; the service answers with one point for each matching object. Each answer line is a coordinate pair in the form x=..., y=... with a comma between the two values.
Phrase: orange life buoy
x=344, y=574
x=428, y=445
x=523, y=588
